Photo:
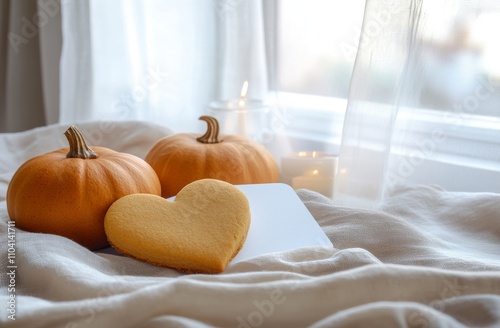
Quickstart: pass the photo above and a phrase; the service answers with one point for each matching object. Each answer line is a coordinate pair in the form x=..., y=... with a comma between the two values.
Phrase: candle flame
x=244, y=90
x=243, y=94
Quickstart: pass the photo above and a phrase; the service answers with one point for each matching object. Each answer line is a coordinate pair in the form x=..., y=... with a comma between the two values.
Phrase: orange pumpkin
x=67, y=192
x=182, y=158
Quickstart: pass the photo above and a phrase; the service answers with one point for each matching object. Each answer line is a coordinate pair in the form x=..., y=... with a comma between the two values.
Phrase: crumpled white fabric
x=426, y=258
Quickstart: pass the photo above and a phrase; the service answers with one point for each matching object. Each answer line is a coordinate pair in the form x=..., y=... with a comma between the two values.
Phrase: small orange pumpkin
x=182, y=158
x=68, y=191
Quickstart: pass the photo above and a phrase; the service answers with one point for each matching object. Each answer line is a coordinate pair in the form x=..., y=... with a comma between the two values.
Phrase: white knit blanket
x=426, y=258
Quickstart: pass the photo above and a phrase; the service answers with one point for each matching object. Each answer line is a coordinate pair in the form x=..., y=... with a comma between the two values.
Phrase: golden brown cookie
x=201, y=231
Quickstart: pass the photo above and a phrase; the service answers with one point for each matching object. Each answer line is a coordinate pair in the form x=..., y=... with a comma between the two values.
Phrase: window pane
x=455, y=59
x=317, y=44
x=461, y=59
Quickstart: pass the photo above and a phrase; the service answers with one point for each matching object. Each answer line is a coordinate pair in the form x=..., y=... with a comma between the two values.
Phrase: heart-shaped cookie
x=199, y=232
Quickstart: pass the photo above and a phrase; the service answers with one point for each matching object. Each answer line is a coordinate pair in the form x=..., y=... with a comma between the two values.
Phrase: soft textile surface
x=426, y=258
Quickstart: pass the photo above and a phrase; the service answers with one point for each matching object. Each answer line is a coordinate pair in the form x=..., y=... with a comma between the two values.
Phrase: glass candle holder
x=311, y=170
x=246, y=118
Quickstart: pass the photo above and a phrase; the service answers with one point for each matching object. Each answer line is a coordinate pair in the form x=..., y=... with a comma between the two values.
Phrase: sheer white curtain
x=424, y=105
x=157, y=60
x=137, y=60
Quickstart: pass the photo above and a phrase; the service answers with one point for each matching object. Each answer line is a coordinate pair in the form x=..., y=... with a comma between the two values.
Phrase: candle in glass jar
x=243, y=116
x=248, y=120
x=305, y=162
x=311, y=170
x=323, y=185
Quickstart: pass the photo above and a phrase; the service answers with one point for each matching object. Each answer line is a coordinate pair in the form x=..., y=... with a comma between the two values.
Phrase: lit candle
x=311, y=170
x=323, y=185
x=242, y=108
x=242, y=116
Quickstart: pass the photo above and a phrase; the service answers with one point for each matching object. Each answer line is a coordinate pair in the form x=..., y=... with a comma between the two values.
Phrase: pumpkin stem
x=212, y=134
x=77, y=146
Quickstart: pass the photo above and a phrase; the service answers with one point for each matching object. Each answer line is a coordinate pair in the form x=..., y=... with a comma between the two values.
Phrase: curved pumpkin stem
x=212, y=134
x=77, y=146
